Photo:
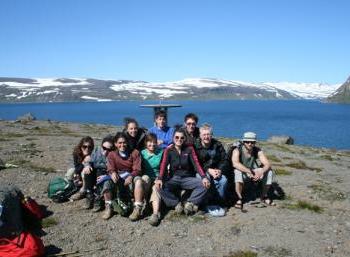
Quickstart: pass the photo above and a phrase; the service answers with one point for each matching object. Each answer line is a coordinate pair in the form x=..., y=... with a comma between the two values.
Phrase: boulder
x=26, y=117
x=282, y=140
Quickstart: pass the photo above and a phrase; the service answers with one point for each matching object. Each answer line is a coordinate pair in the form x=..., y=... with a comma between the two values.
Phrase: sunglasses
x=191, y=124
x=86, y=146
x=249, y=142
x=106, y=149
x=181, y=138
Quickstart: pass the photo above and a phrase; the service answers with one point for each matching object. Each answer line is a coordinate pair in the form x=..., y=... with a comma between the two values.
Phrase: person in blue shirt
x=163, y=132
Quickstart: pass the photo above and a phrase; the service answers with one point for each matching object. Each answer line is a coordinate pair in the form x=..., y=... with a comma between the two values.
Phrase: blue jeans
x=219, y=186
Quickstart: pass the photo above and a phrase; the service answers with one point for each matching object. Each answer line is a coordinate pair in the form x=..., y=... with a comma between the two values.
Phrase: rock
x=26, y=117
x=288, y=140
x=2, y=164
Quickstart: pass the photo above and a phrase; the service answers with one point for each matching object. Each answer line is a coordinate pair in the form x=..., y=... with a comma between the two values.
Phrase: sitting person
x=183, y=166
x=124, y=167
x=81, y=158
x=151, y=157
x=161, y=130
x=134, y=134
x=212, y=156
x=97, y=181
x=191, y=129
x=244, y=160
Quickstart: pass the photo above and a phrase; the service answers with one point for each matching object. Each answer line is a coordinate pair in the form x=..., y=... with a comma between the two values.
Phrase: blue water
x=308, y=122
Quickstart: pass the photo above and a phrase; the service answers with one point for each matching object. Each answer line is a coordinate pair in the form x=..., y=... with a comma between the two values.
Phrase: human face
x=86, y=148
x=206, y=136
x=179, y=139
x=161, y=122
x=106, y=148
x=151, y=146
x=249, y=144
x=121, y=144
x=190, y=125
x=132, y=129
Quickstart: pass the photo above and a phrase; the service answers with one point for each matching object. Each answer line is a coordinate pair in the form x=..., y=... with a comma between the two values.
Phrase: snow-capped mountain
x=342, y=94
x=81, y=89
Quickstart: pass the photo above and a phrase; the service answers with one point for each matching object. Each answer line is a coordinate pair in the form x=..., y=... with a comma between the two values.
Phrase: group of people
x=184, y=168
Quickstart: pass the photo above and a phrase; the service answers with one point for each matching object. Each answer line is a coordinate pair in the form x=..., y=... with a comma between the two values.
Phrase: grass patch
x=326, y=192
x=18, y=162
x=300, y=165
x=11, y=135
x=273, y=158
x=277, y=251
x=282, y=172
x=327, y=157
x=242, y=254
x=198, y=218
x=303, y=205
x=31, y=138
x=37, y=168
x=284, y=148
x=49, y=222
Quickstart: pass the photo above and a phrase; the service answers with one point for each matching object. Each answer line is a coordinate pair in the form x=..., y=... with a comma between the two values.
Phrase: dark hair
x=119, y=135
x=150, y=137
x=78, y=153
x=109, y=139
x=128, y=120
x=160, y=113
x=191, y=116
x=180, y=130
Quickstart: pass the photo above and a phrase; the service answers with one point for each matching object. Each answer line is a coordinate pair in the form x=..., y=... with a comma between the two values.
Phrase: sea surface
x=310, y=123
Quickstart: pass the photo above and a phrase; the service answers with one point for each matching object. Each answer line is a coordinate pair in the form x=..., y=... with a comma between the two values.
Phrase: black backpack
x=11, y=220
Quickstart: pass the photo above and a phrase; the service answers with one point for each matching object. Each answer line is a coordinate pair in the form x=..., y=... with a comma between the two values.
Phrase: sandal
x=239, y=204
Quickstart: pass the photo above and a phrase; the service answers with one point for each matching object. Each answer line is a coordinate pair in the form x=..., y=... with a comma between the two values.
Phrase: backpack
x=60, y=189
x=230, y=149
x=122, y=204
x=11, y=220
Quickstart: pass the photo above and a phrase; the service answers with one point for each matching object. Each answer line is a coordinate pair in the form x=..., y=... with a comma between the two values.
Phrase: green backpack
x=122, y=204
x=60, y=189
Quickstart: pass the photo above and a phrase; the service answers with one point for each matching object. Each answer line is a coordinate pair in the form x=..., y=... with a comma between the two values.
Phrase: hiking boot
x=98, y=206
x=78, y=196
x=154, y=220
x=136, y=213
x=89, y=201
x=189, y=208
x=179, y=208
x=108, y=212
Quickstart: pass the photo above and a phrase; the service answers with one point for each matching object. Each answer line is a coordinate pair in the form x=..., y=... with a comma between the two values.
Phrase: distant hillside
x=77, y=89
x=342, y=94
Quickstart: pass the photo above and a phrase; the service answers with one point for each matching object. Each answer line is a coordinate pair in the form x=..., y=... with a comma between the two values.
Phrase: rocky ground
x=313, y=219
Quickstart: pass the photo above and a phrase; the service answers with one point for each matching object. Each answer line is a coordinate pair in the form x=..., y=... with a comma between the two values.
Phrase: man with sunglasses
x=245, y=162
x=190, y=128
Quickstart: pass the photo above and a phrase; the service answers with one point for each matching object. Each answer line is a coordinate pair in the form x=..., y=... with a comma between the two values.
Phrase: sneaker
x=78, y=196
x=190, y=208
x=179, y=208
x=108, y=212
x=154, y=220
x=136, y=213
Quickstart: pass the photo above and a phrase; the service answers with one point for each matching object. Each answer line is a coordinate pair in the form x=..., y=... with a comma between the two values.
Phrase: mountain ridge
x=90, y=89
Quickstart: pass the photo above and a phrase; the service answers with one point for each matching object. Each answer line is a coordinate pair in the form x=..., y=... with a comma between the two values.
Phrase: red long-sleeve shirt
x=132, y=163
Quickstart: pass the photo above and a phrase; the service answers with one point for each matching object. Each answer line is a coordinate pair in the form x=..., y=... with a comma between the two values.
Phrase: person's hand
x=128, y=181
x=158, y=183
x=87, y=159
x=159, y=141
x=99, y=178
x=87, y=170
x=206, y=183
x=115, y=177
x=258, y=175
x=212, y=172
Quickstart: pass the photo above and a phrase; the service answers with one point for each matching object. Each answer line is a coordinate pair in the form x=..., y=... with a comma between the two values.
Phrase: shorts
x=240, y=177
x=148, y=185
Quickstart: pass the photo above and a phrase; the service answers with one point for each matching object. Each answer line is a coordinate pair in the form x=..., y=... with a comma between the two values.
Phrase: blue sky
x=252, y=40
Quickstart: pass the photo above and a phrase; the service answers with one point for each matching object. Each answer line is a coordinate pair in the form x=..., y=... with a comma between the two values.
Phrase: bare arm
x=264, y=161
x=237, y=164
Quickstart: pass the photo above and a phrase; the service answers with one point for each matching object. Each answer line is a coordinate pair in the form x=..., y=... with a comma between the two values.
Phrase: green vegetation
x=284, y=148
x=326, y=192
x=282, y=172
x=9, y=135
x=327, y=157
x=49, y=222
x=273, y=158
x=303, y=205
x=277, y=251
x=302, y=166
x=242, y=254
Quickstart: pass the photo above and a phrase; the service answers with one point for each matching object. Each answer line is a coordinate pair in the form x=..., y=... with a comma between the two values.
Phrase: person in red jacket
x=124, y=167
x=178, y=172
